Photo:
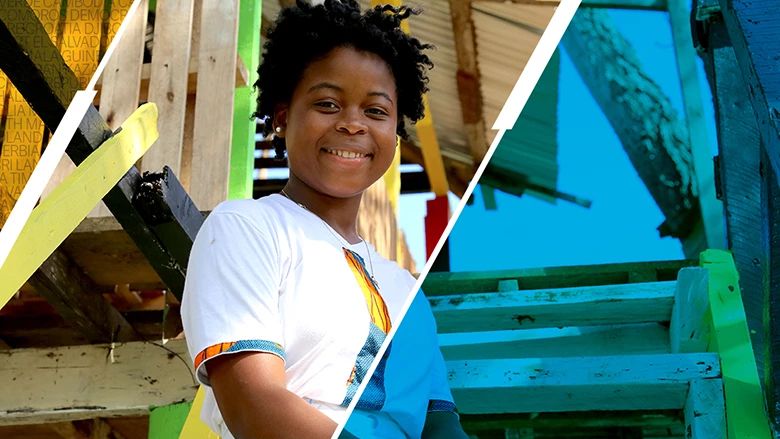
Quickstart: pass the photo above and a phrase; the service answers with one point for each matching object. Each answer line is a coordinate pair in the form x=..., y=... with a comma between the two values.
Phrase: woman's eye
x=328, y=105
x=377, y=112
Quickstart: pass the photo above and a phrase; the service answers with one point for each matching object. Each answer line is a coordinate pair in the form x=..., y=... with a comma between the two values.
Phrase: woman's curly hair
x=305, y=33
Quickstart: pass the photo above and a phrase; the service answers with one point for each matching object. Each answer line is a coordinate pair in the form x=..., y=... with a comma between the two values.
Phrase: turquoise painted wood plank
x=586, y=341
x=689, y=329
x=705, y=410
x=533, y=385
x=549, y=308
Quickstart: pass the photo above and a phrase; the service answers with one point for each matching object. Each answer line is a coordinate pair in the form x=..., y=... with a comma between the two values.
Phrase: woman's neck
x=340, y=213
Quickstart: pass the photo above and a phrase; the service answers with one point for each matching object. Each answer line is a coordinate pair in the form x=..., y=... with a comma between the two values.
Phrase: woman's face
x=340, y=125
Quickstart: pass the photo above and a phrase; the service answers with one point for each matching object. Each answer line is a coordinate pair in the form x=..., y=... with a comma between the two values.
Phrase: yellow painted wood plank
x=745, y=413
x=59, y=214
x=194, y=428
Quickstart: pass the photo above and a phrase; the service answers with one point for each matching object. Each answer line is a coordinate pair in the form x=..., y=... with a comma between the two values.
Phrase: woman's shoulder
x=263, y=213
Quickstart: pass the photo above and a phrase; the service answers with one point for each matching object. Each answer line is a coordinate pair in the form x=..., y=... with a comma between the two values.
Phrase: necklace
x=336, y=235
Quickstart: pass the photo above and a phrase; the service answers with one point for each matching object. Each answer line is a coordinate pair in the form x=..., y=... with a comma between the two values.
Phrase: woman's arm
x=250, y=389
x=443, y=425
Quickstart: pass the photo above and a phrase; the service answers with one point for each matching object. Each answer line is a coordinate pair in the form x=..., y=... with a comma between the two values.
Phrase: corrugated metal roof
x=506, y=36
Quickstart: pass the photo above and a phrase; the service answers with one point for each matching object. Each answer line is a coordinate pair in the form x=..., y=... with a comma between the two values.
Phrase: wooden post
x=744, y=398
x=436, y=221
x=213, y=129
x=739, y=158
x=168, y=82
x=651, y=131
x=711, y=208
x=705, y=411
x=243, y=146
x=689, y=330
x=752, y=27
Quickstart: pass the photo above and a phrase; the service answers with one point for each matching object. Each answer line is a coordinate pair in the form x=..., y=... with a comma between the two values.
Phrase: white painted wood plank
x=579, y=306
x=637, y=382
x=705, y=410
x=213, y=129
x=82, y=382
x=689, y=330
x=168, y=81
x=585, y=341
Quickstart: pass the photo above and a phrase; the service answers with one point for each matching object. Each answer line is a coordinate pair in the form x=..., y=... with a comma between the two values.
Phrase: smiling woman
x=285, y=305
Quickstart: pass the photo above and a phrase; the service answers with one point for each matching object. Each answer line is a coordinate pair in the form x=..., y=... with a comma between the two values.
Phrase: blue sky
x=621, y=224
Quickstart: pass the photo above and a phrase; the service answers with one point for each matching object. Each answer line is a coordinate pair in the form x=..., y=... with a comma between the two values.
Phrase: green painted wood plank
x=242, y=150
x=167, y=422
x=744, y=398
x=555, y=308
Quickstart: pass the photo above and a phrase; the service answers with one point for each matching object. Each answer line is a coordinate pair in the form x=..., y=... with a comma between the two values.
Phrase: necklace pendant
x=376, y=284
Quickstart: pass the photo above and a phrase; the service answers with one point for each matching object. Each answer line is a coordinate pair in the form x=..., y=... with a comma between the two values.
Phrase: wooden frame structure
x=622, y=341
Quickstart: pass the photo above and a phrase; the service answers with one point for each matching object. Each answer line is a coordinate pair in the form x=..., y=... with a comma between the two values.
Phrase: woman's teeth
x=346, y=154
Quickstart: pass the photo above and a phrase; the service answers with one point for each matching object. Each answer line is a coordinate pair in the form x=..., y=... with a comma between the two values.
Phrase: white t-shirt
x=269, y=276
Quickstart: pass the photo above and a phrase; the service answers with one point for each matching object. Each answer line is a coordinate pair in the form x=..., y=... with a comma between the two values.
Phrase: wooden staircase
x=605, y=351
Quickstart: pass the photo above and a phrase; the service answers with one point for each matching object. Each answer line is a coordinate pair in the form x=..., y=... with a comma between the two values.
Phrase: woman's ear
x=280, y=119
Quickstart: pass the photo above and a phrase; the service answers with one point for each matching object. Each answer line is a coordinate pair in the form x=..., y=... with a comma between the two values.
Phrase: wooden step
x=551, y=308
x=569, y=384
x=585, y=341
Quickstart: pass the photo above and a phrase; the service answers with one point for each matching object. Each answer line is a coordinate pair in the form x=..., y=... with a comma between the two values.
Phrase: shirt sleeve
x=231, y=292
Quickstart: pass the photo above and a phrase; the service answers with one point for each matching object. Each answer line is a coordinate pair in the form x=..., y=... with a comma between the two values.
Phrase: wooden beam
x=171, y=214
x=705, y=410
x=213, y=128
x=739, y=163
x=557, y=421
x=702, y=161
x=442, y=284
x=68, y=290
x=468, y=78
x=647, y=5
x=690, y=326
x=36, y=67
x=59, y=214
x=168, y=81
x=578, y=306
x=648, y=126
x=753, y=28
x=242, y=78
x=85, y=382
x=744, y=398
x=584, y=341
x=648, y=382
